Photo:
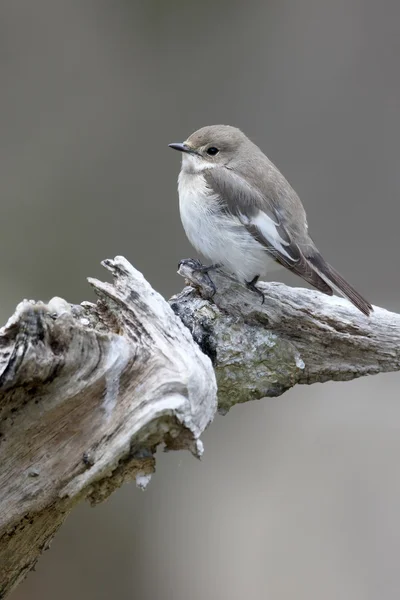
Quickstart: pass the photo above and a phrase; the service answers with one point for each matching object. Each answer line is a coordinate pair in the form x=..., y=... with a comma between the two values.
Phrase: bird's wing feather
x=261, y=219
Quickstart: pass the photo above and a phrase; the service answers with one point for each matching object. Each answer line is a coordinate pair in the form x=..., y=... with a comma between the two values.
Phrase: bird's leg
x=251, y=285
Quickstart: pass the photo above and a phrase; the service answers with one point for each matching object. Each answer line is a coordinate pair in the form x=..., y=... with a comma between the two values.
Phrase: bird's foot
x=196, y=265
x=197, y=274
x=207, y=269
x=251, y=285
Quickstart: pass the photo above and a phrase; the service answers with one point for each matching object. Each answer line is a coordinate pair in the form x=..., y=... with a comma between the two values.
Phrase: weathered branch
x=296, y=336
x=87, y=392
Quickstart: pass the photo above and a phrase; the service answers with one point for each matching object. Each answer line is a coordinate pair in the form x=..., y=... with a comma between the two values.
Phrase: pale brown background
x=297, y=497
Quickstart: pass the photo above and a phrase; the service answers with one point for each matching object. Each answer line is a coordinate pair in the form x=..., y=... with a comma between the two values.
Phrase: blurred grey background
x=297, y=497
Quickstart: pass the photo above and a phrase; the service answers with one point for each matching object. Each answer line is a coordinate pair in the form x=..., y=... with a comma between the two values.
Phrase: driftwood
x=88, y=392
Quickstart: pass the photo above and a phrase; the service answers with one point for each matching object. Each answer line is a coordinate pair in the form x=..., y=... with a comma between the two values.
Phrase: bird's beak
x=182, y=147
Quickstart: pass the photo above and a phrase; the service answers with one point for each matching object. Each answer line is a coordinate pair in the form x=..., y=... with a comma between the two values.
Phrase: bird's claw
x=251, y=285
x=197, y=273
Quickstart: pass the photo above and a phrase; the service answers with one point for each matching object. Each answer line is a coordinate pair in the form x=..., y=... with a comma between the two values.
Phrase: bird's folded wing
x=260, y=217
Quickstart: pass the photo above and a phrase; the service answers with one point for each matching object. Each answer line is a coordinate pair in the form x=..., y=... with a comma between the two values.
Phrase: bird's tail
x=340, y=285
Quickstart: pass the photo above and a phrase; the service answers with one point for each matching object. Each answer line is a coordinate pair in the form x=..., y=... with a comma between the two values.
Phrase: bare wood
x=87, y=392
x=86, y=395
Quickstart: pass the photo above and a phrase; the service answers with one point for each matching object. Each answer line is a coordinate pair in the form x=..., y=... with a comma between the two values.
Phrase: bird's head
x=215, y=145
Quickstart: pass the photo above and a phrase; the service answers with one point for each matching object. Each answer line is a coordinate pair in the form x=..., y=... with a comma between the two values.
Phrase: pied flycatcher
x=239, y=212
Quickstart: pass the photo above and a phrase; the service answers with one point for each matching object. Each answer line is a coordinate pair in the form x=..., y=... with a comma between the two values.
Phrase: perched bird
x=239, y=212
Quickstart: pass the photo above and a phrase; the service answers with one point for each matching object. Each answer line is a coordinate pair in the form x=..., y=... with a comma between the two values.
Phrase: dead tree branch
x=88, y=392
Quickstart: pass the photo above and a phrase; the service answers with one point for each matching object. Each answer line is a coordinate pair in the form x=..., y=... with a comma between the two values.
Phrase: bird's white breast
x=198, y=212
x=218, y=237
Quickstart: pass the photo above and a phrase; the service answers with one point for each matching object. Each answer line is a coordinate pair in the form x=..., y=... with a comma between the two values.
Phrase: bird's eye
x=212, y=151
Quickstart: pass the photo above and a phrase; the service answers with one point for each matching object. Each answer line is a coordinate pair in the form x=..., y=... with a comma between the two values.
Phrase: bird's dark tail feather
x=340, y=285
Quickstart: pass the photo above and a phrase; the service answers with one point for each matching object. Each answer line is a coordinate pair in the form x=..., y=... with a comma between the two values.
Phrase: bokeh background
x=296, y=497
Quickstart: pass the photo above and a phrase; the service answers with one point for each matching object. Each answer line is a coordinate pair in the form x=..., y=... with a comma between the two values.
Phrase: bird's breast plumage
x=218, y=236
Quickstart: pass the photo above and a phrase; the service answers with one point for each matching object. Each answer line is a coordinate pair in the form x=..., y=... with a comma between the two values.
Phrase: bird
x=240, y=213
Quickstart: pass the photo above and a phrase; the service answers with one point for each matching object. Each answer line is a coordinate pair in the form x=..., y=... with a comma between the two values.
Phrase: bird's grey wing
x=261, y=219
